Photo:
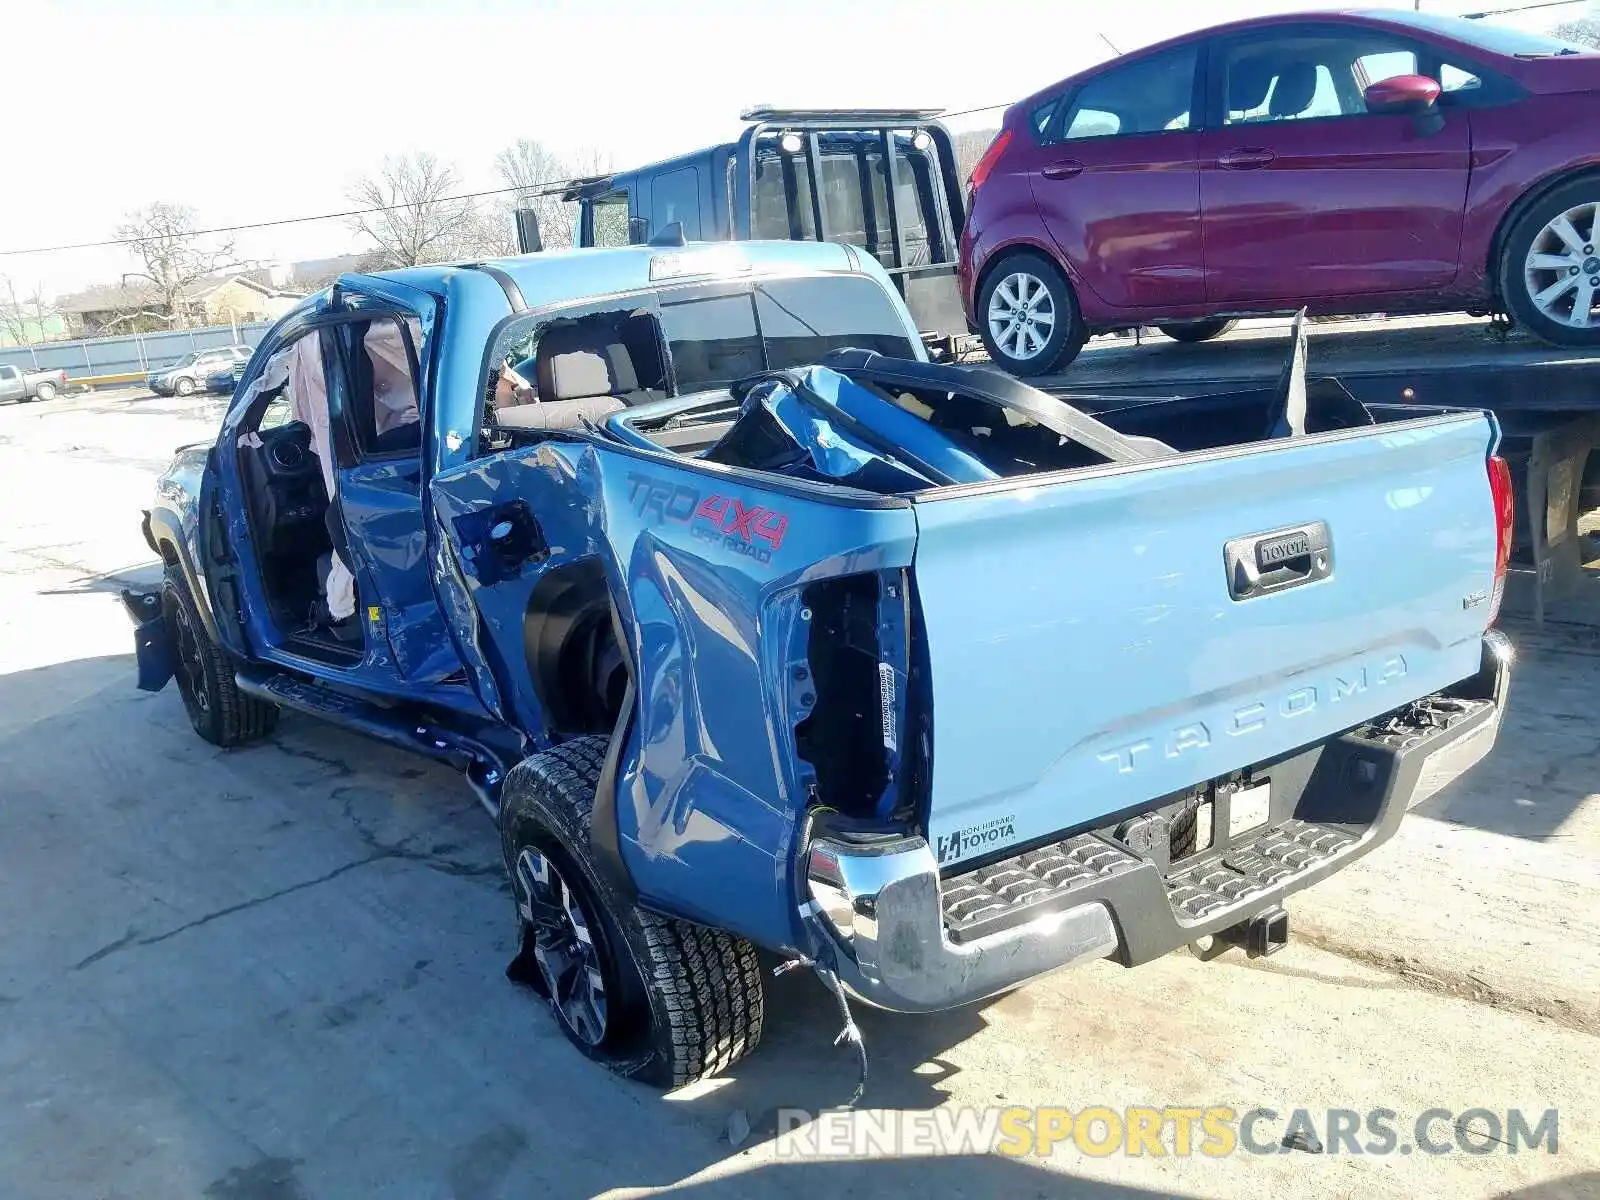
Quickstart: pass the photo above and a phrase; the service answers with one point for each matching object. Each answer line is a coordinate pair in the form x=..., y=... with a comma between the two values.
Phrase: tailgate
x=1092, y=647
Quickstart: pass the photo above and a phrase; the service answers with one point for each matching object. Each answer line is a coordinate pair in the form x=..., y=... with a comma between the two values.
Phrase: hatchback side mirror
x=1416, y=95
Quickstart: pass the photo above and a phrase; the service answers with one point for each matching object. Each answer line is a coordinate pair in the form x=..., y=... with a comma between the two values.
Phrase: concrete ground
x=276, y=973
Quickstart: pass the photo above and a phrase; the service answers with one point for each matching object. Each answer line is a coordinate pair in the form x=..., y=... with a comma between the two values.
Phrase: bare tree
x=164, y=239
x=417, y=217
x=1585, y=31
x=23, y=317
x=529, y=167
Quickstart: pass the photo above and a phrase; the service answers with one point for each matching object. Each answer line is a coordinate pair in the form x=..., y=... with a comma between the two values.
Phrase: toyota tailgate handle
x=1065, y=169
x=1263, y=563
x=1245, y=160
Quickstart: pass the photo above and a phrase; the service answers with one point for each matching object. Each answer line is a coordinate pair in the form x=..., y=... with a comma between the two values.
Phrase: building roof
x=132, y=297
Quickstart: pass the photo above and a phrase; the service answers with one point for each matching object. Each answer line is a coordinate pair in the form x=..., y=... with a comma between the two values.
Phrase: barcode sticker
x=886, y=699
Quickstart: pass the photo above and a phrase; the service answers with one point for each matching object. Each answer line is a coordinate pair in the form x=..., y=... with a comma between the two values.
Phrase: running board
x=481, y=766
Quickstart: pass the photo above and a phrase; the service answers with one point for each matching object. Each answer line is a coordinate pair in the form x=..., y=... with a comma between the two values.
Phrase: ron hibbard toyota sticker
x=990, y=835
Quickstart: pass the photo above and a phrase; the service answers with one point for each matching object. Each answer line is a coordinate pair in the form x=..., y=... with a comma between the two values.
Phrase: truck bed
x=1119, y=609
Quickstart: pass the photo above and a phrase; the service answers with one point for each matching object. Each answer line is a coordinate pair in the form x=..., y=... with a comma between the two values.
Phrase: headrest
x=1248, y=81
x=1297, y=86
x=577, y=361
x=579, y=374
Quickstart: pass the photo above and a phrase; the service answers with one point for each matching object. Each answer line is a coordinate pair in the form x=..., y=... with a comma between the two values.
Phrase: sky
x=253, y=110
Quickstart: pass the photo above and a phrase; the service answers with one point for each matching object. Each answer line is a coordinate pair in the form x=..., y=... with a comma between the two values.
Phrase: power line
x=1516, y=8
x=348, y=213
x=333, y=216
x=549, y=183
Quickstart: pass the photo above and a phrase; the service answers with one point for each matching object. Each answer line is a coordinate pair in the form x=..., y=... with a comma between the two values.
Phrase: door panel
x=380, y=480
x=1116, y=185
x=381, y=503
x=1124, y=213
x=1340, y=207
x=1306, y=195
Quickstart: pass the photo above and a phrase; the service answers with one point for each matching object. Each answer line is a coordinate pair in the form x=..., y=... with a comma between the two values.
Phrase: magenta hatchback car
x=1348, y=162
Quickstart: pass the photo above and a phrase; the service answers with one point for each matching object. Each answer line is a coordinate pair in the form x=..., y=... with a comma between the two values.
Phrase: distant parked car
x=1347, y=162
x=20, y=386
x=190, y=373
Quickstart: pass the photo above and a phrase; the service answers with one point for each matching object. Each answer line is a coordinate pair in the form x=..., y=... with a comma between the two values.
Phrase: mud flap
x=151, y=643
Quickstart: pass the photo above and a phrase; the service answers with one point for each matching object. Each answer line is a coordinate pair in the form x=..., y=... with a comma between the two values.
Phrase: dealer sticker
x=991, y=835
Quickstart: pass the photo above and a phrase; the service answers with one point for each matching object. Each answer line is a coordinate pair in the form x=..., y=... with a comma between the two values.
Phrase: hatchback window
x=1455, y=79
x=1303, y=76
x=1150, y=95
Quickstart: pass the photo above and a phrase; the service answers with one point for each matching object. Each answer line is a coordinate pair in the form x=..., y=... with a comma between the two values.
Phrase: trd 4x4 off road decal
x=749, y=529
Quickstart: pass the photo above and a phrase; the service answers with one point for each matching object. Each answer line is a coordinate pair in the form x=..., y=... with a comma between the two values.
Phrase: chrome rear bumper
x=883, y=903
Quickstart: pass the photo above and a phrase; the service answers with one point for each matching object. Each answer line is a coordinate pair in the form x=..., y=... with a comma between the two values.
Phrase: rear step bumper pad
x=910, y=942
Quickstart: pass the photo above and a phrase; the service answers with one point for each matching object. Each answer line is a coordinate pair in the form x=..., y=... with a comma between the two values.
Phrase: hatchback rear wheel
x=1550, y=267
x=1028, y=317
x=1197, y=331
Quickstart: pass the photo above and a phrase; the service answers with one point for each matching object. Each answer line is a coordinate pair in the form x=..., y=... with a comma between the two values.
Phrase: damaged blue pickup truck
x=753, y=628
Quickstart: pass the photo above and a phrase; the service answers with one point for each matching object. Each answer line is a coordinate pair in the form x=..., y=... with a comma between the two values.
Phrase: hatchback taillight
x=986, y=164
x=1504, y=525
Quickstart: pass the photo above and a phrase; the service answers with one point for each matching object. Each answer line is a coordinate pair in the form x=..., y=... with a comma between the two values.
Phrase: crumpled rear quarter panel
x=705, y=568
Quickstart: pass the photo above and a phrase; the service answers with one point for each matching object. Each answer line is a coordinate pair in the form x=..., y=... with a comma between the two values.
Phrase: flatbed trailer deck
x=1546, y=399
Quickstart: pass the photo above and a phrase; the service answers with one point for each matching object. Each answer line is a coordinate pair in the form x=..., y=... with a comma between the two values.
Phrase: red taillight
x=1504, y=522
x=987, y=162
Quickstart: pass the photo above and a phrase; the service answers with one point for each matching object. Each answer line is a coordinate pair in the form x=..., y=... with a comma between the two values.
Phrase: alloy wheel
x=563, y=946
x=1022, y=315
x=1562, y=271
x=191, y=666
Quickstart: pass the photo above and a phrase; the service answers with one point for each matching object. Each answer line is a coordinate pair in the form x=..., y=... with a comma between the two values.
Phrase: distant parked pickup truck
x=754, y=628
x=19, y=385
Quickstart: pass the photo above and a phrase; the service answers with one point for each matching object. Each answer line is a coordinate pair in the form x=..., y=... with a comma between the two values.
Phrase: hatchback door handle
x=1065, y=169
x=1245, y=159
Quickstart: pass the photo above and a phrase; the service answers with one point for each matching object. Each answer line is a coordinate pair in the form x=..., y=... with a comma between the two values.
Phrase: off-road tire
x=1514, y=252
x=684, y=1001
x=1198, y=331
x=1066, y=336
x=218, y=710
x=45, y=392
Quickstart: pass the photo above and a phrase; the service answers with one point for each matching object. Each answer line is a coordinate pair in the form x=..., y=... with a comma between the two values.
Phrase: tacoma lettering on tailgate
x=1255, y=716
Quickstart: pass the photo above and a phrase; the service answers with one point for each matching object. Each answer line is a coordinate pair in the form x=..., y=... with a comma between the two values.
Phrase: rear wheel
x=653, y=998
x=1550, y=267
x=1198, y=331
x=1028, y=317
x=218, y=710
x=45, y=392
